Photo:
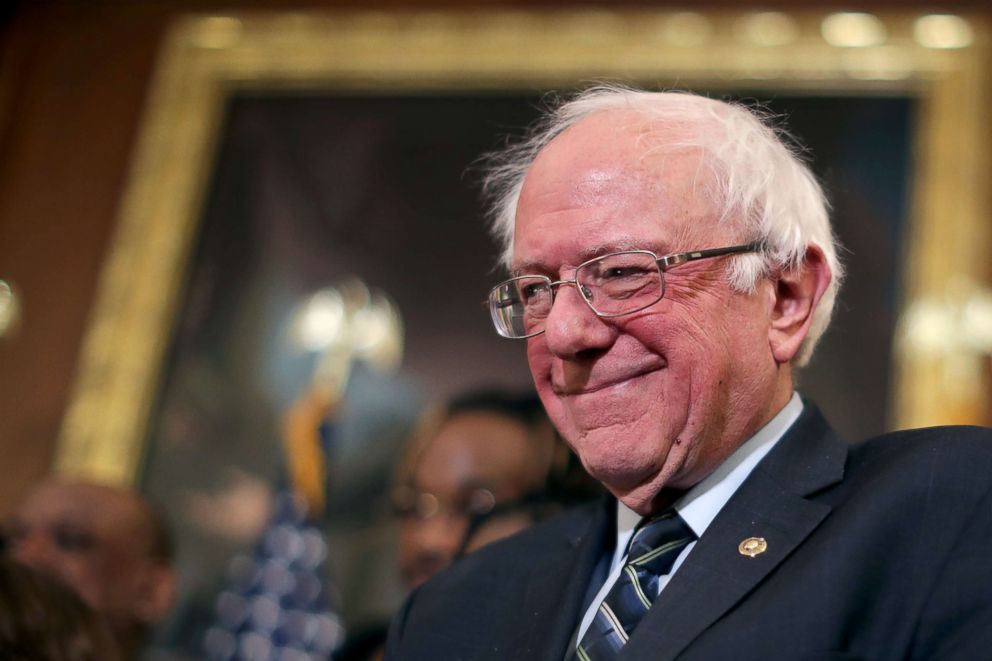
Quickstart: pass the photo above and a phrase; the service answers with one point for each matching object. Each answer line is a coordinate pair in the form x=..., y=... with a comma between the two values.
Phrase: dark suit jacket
x=881, y=550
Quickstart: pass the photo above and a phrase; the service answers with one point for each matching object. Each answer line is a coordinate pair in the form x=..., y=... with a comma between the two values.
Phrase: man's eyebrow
x=620, y=245
x=533, y=267
x=537, y=267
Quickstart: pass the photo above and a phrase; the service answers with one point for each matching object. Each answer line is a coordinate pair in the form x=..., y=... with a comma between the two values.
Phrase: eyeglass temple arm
x=669, y=261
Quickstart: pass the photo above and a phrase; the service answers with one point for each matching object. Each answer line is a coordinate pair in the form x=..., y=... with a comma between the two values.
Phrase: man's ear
x=796, y=294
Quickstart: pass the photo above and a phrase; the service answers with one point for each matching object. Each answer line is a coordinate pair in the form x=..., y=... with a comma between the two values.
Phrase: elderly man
x=108, y=544
x=673, y=266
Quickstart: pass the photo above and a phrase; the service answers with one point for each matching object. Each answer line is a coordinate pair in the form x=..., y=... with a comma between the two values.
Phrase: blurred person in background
x=108, y=544
x=486, y=466
x=42, y=619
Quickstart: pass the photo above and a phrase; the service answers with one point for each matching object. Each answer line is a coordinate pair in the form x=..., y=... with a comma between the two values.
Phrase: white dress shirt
x=700, y=505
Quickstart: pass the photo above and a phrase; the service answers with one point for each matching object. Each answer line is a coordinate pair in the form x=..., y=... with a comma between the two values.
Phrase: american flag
x=276, y=605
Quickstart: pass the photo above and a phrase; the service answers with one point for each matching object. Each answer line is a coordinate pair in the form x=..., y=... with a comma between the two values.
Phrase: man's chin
x=639, y=486
x=625, y=482
x=638, y=497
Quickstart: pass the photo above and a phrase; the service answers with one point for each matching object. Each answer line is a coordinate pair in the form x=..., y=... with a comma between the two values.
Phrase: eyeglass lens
x=612, y=285
x=411, y=503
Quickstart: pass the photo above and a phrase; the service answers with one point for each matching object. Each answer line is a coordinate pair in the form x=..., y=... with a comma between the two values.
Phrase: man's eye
x=530, y=291
x=73, y=539
x=622, y=272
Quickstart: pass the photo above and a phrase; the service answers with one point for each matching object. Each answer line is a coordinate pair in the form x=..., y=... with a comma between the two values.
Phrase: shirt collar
x=700, y=505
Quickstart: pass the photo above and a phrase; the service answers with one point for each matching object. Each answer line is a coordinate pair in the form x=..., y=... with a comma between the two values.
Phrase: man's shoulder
x=474, y=607
x=505, y=564
x=951, y=465
x=547, y=540
x=953, y=446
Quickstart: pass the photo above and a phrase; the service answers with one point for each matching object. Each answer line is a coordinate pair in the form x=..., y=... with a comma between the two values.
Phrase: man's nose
x=572, y=327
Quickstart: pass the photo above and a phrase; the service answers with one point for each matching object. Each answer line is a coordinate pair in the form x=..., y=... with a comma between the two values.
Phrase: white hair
x=755, y=178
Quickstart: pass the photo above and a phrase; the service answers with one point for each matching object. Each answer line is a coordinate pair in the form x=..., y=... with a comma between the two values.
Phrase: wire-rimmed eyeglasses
x=612, y=285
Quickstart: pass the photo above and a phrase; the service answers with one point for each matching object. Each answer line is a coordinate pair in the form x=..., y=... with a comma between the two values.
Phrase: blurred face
x=657, y=399
x=94, y=538
x=476, y=460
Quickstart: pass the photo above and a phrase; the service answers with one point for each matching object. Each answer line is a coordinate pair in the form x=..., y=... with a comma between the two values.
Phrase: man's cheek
x=558, y=414
x=539, y=361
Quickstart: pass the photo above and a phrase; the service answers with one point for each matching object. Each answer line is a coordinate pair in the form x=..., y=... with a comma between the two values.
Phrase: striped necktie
x=652, y=552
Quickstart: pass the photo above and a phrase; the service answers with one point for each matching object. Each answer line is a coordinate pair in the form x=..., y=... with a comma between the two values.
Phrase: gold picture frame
x=942, y=60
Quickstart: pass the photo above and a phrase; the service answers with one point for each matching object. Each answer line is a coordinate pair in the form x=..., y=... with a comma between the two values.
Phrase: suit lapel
x=557, y=587
x=771, y=504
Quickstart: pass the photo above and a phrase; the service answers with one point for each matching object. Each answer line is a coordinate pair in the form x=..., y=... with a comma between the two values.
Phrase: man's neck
x=705, y=498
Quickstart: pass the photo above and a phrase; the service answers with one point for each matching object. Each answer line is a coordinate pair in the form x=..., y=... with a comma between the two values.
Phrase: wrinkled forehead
x=630, y=140
x=622, y=165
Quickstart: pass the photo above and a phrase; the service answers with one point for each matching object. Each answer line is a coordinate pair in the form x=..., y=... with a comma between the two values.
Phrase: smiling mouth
x=575, y=390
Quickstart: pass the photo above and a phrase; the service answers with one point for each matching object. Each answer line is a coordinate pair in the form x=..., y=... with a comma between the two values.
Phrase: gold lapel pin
x=753, y=546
